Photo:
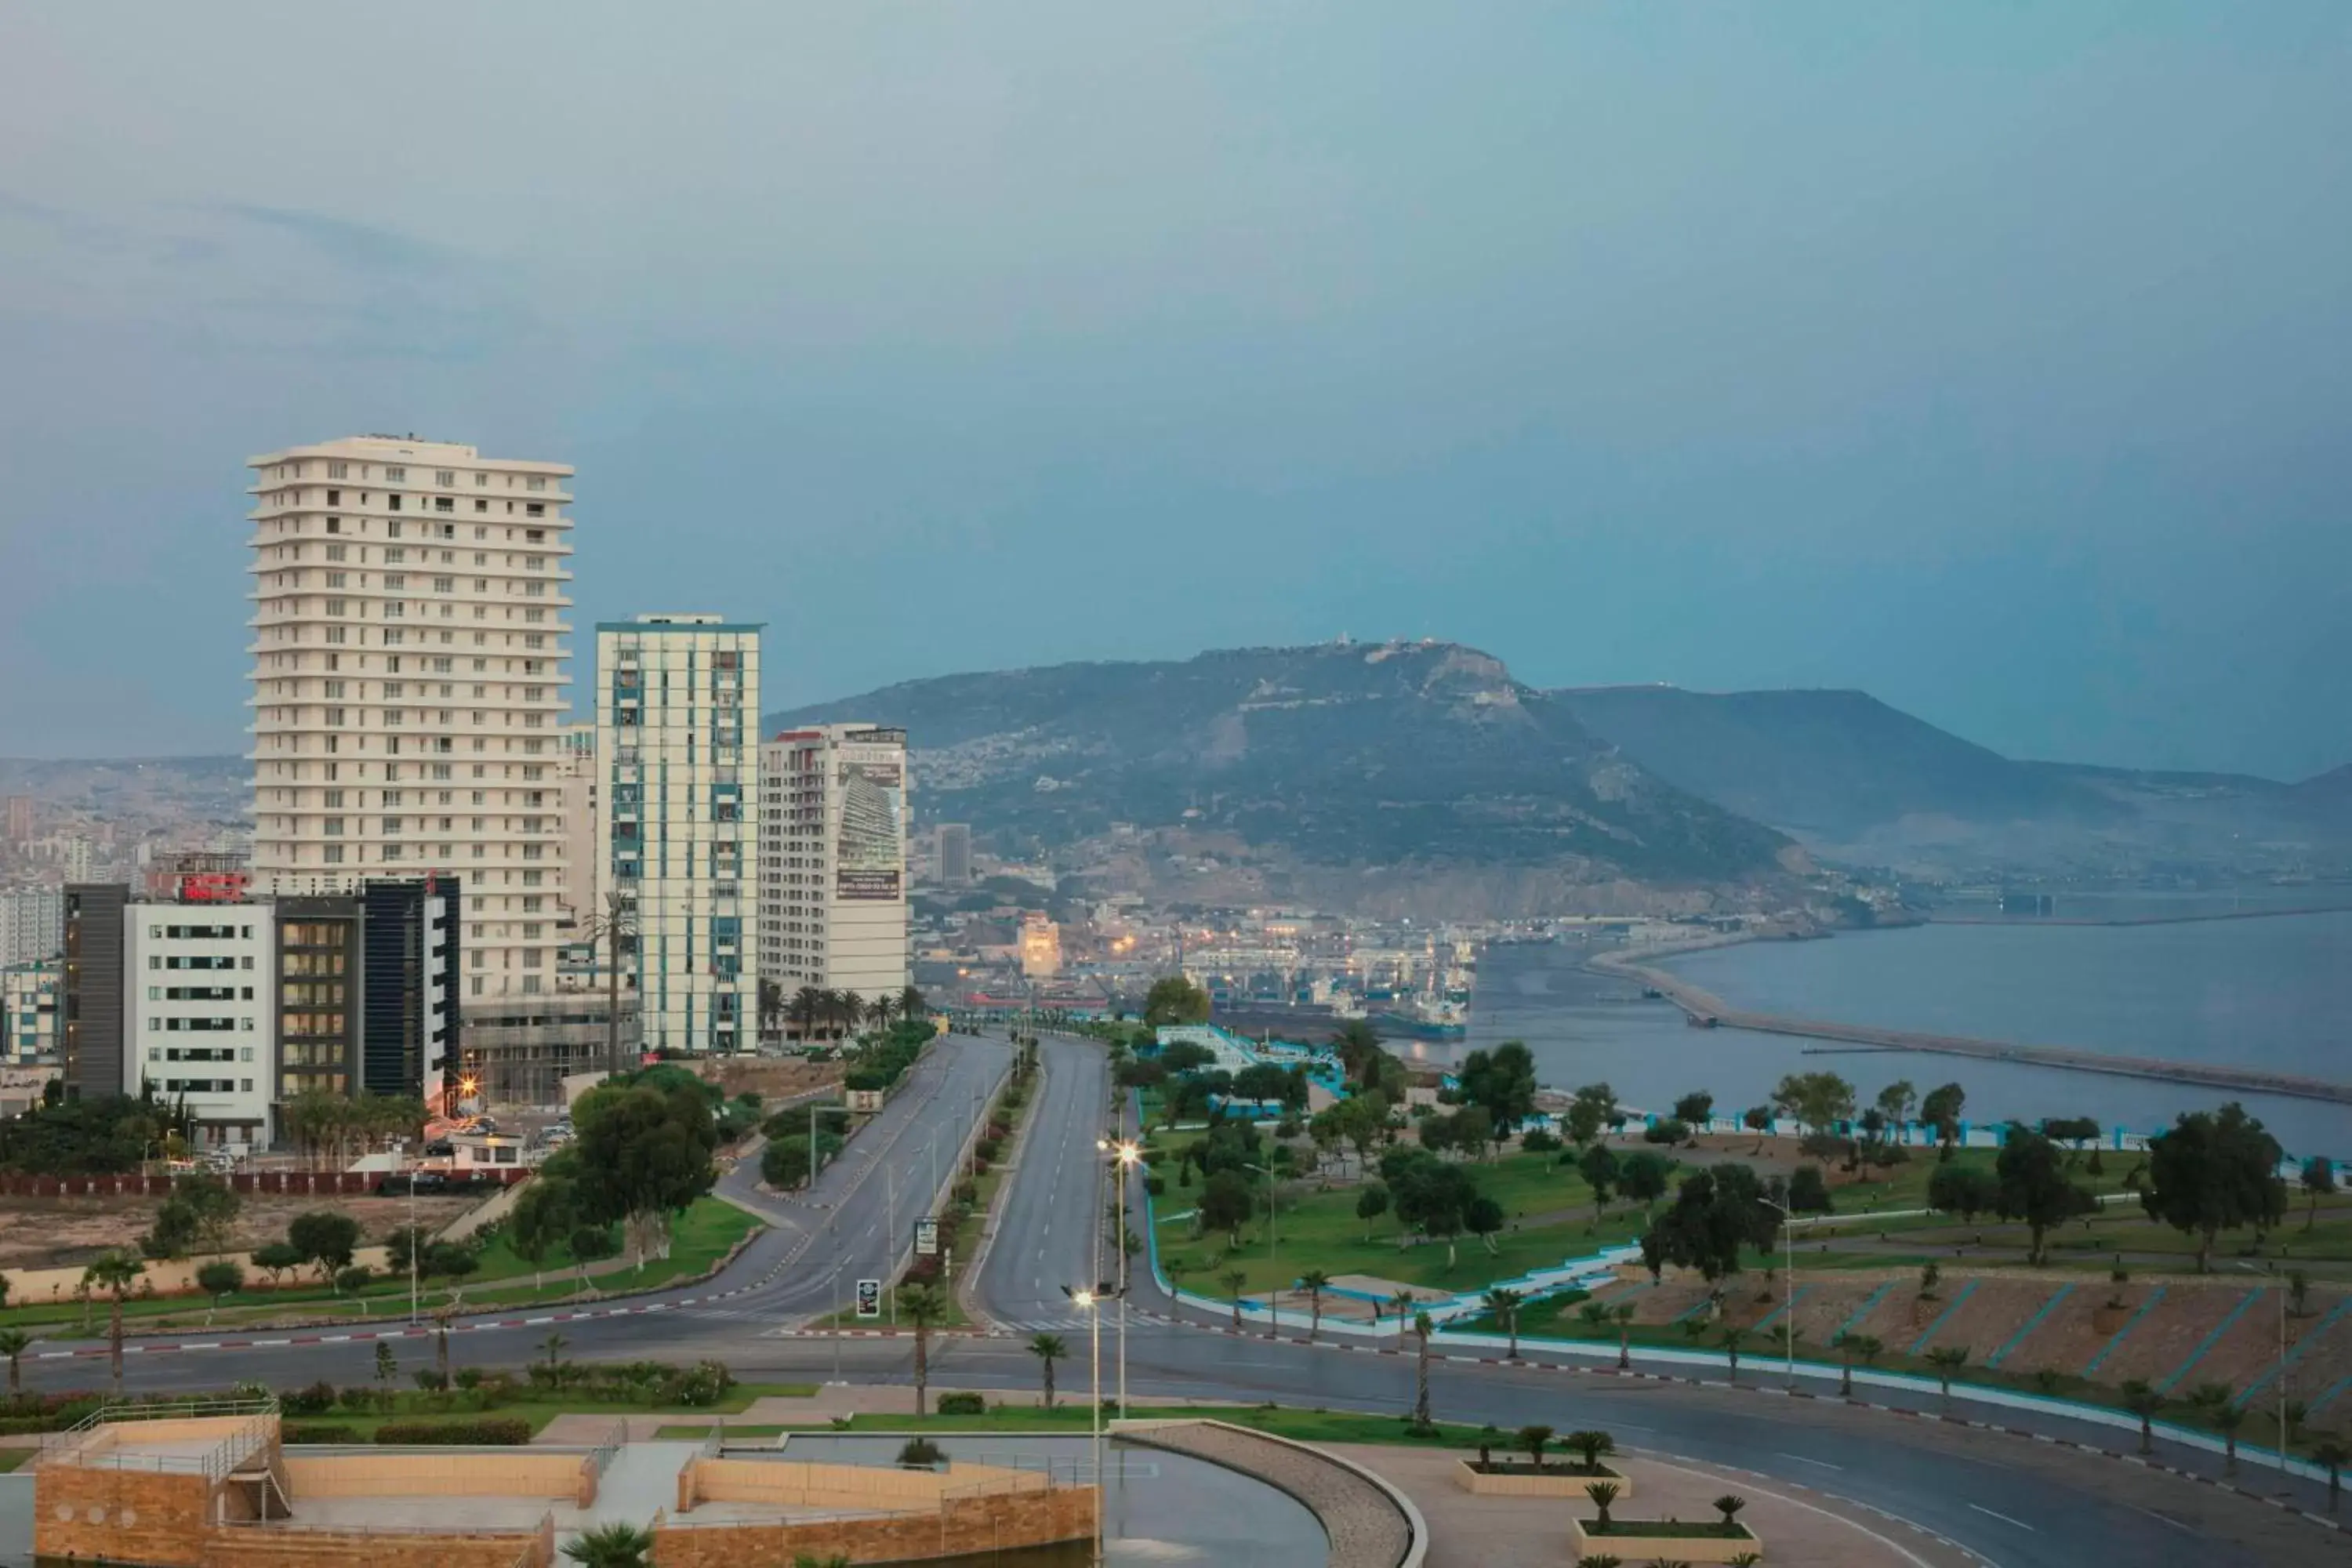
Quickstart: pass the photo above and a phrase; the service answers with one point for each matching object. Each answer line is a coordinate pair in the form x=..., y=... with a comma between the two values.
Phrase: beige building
x=408, y=685
x=1041, y=947
x=833, y=859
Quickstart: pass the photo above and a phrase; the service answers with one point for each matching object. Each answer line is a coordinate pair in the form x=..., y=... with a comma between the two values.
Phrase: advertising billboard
x=870, y=856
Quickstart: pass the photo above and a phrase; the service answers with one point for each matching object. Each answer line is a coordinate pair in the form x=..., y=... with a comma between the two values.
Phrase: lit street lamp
x=1091, y=1302
x=1123, y=1156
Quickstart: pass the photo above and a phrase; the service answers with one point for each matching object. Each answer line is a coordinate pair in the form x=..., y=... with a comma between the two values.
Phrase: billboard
x=869, y=858
x=869, y=1297
x=927, y=1238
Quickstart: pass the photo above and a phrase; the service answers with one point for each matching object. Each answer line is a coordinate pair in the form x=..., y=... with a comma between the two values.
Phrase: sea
x=2275, y=991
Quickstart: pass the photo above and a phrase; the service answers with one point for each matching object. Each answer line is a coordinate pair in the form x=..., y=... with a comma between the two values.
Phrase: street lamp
x=1788, y=1291
x=2278, y=1375
x=1273, y=1251
x=1089, y=1301
x=1124, y=1156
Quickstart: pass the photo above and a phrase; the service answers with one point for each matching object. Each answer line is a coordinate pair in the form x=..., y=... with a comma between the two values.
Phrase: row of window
x=199, y=1025
x=198, y=961
x=200, y=1053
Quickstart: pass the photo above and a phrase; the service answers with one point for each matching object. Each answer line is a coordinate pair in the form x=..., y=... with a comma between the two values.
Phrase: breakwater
x=1704, y=1007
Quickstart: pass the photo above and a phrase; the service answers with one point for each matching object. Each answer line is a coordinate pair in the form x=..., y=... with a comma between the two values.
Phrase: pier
x=1705, y=1008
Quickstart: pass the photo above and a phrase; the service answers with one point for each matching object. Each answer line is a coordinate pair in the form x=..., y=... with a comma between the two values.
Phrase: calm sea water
x=2271, y=993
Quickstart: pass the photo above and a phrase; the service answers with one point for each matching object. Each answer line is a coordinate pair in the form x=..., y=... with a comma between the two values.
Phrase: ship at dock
x=1409, y=983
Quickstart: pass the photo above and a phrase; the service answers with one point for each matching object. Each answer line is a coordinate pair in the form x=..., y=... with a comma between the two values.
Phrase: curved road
x=2013, y=1502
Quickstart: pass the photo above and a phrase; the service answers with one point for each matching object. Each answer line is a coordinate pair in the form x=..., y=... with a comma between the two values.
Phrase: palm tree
x=115, y=1273
x=1948, y=1360
x=2335, y=1455
x=1733, y=1336
x=13, y=1342
x=2142, y=1400
x=2226, y=1419
x=803, y=1009
x=882, y=1009
x=1422, y=1328
x=923, y=1306
x=771, y=1008
x=1845, y=1344
x=1049, y=1348
x=1534, y=1439
x=1589, y=1444
x=1602, y=1494
x=1234, y=1280
x=1504, y=1305
x=553, y=1345
x=1313, y=1282
x=910, y=1004
x=615, y=926
x=1624, y=1312
x=1729, y=1505
x=616, y=1546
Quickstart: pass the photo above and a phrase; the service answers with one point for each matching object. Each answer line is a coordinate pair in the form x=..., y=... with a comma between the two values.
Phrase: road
x=2016, y=1503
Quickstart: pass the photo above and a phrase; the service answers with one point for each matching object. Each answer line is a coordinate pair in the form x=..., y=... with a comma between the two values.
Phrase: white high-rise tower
x=408, y=685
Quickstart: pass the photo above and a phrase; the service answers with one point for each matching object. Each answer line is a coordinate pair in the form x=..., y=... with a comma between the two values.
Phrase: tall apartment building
x=833, y=859
x=32, y=924
x=19, y=829
x=200, y=995
x=91, y=991
x=409, y=684
x=29, y=1013
x=955, y=854
x=677, y=715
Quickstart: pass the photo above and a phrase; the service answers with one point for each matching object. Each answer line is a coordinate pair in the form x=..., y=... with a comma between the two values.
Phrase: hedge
x=495, y=1431
x=318, y=1432
x=962, y=1405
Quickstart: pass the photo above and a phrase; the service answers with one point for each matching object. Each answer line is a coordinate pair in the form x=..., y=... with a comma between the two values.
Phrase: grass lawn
x=1320, y=1230
x=699, y=1238
x=1307, y=1426
x=11, y=1458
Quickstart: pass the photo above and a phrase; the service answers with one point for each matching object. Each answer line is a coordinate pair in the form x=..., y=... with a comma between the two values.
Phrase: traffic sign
x=927, y=1238
x=869, y=1297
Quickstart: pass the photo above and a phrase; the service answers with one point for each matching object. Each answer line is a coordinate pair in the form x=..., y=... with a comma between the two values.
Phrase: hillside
x=1852, y=778
x=1830, y=764
x=1351, y=775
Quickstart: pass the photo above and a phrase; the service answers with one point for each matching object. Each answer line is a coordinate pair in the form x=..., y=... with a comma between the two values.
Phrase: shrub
x=507, y=1431
x=1668, y=1131
x=430, y=1380
x=590, y=1242
x=962, y=1405
x=358, y=1398
x=1538, y=1140
x=318, y=1432
x=988, y=1148
x=1157, y=1186
x=353, y=1280
x=921, y=1452
x=315, y=1400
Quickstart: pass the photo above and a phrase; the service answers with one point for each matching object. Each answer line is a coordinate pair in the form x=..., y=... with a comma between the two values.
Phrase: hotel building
x=833, y=859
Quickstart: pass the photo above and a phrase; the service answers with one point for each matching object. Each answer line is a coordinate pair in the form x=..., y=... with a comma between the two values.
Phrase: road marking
x=1802, y=1459
x=2161, y=1517
x=2003, y=1518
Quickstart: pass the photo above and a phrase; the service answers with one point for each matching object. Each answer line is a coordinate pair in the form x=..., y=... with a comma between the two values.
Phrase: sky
x=1996, y=359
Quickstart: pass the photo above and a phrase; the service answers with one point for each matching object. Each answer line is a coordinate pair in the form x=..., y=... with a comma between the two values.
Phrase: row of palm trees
x=813, y=1010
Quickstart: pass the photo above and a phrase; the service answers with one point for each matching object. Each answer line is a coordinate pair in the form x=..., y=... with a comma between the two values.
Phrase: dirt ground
x=772, y=1078
x=49, y=1233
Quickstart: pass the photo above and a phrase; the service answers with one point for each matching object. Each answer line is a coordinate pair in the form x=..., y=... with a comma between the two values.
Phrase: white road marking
x=2161, y=1518
x=2003, y=1518
x=1804, y=1459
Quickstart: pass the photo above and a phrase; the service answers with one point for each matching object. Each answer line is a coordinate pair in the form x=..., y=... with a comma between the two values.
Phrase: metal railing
x=223, y=1456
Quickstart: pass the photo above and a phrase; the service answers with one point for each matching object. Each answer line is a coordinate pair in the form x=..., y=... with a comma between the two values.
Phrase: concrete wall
x=457, y=1473
x=855, y=1487
x=124, y=1516
x=962, y=1528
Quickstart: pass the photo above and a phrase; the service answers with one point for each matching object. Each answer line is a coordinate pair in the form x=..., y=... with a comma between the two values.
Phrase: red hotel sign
x=213, y=886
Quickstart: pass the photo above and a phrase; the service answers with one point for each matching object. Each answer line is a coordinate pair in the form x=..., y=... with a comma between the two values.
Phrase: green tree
x=1733, y=1336
x=325, y=1238
x=2032, y=1186
x=1623, y=1314
x=922, y=1305
x=1604, y=1496
x=1715, y=1212
x=1422, y=1328
x=1173, y=999
x=1235, y=1282
x=1644, y=1177
x=1534, y=1440
x=2213, y=1172
x=1695, y=1109
x=1598, y=1165
x=641, y=1155
x=1817, y=1100
x=1758, y=1119
x=1227, y=1203
x=1502, y=1082
x=1371, y=1203
x=2319, y=1182
x=220, y=1279
x=1941, y=1110
x=1049, y=1348
x=13, y=1342
x=1963, y=1190
x=1593, y=1109
x=115, y=1272
x=1896, y=1102
x=1848, y=1346
x=544, y=1213
x=1809, y=1192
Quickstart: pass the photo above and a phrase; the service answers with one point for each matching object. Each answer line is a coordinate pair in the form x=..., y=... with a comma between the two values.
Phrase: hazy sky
x=1996, y=358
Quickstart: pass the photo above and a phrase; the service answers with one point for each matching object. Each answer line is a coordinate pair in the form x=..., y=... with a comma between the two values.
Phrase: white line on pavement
x=2003, y=1518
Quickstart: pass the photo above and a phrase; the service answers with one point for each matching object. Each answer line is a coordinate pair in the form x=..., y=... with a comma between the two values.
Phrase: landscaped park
x=2173, y=1279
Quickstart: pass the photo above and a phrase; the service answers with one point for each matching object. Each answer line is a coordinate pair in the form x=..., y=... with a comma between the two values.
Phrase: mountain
x=1851, y=778
x=1404, y=777
x=1828, y=764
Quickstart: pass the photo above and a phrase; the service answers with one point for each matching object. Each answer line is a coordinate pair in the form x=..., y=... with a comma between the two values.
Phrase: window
x=334, y=497
x=395, y=475
x=338, y=580
x=337, y=551
x=444, y=503
x=395, y=554
x=338, y=471
x=531, y=509
x=445, y=479
x=335, y=608
x=535, y=484
x=396, y=581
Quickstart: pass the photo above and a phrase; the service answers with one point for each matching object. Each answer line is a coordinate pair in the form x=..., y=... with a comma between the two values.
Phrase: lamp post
x=2280, y=1375
x=1788, y=1291
x=1124, y=1156
x=1273, y=1251
x=1090, y=1301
